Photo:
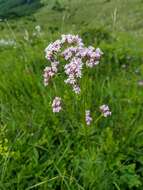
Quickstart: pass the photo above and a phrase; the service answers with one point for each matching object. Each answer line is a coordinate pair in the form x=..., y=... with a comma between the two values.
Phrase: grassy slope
x=57, y=150
x=118, y=15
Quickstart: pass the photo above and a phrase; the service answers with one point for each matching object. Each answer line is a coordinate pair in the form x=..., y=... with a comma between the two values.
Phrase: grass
x=46, y=151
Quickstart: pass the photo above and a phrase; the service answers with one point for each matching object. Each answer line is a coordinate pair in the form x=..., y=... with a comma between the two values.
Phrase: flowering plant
x=77, y=56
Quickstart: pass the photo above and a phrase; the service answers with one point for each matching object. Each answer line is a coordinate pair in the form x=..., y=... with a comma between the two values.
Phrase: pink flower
x=70, y=80
x=105, y=110
x=54, y=66
x=98, y=53
x=68, y=53
x=48, y=73
x=88, y=118
x=76, y=89
x=56, y=105
x=72, y=39
x=77, y=56
x=74, y=68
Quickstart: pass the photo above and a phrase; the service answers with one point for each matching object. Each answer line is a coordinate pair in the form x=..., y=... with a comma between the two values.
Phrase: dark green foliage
x=58, y=6
x=18, y=8
x=96, y=35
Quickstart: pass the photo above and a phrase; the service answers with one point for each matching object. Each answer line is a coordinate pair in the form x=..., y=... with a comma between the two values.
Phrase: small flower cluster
x=77, y=55
x=49, y=72
x=37, y=31
x=105, y=110
x=56, y=105
x=73, y=71
x=56, y=46
x=71, y=39
x=88, y=118
x=38, y=28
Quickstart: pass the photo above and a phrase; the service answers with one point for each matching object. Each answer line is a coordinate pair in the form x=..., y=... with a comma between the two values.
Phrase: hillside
x=116, y=16
x=18, y=8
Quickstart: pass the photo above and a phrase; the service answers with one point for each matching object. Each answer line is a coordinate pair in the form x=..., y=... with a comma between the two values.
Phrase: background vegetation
x=44, y=151
x=17, y=8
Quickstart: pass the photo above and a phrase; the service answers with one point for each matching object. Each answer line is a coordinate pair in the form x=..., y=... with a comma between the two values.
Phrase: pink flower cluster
x=73, y=71
x=56, y=105
x=88, y=118
x=77, y=56
x=49, y=72
x=105, y=110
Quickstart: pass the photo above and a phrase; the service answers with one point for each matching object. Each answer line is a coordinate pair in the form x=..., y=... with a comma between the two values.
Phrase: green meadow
x=42, y=150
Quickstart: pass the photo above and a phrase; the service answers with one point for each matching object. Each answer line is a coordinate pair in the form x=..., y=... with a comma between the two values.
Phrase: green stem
x=96, y=121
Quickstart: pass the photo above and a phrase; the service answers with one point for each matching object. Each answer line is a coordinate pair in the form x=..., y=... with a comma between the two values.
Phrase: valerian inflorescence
x=72, y=49
x=77, y=56
x=56, y=105
x=105, y=110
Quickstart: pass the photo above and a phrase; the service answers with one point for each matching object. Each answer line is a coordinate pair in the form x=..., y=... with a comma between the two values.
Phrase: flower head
x=88, y=118
x=49, y=72
x=56, y=105
x=38, y=28
x=105, y=110
x=76, y=89
x=77, y=56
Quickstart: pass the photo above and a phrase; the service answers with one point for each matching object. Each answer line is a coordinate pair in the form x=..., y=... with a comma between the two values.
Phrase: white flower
x=38, y=28
x=105, y=110
x=88, y=118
